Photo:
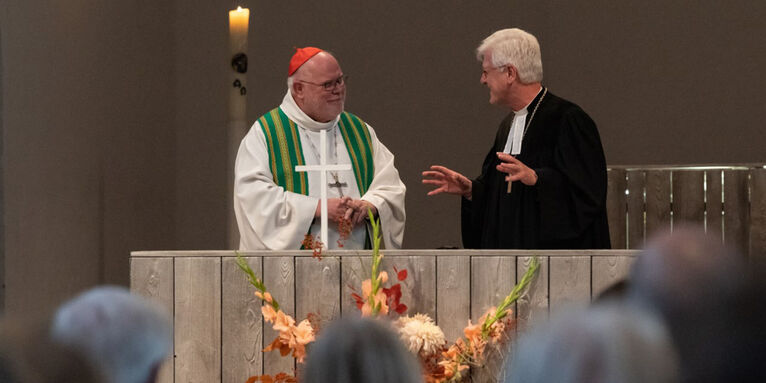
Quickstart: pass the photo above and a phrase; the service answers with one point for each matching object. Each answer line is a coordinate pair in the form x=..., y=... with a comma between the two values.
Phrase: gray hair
x=699, y=286
x=290, y=81
x=514, y=47
x=123, y=335
x=609, y=343
x=360, y=350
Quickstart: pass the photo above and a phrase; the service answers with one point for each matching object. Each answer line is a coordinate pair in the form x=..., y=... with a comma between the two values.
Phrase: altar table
x=219, y=331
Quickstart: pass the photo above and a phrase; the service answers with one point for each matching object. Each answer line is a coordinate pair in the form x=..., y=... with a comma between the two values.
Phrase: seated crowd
x=692, y=310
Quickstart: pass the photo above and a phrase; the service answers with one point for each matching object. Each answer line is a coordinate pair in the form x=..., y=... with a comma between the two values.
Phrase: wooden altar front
x=219, y=331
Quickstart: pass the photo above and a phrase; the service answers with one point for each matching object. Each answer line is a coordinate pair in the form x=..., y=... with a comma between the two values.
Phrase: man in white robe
x=270, y=216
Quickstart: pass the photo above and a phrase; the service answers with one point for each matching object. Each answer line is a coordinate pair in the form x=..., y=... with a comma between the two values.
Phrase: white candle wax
x=239, y=20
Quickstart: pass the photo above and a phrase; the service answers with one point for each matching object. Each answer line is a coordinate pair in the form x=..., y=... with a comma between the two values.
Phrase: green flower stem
x=515, y=294
x=254, y=280
x=375, y=283
x=464, y=356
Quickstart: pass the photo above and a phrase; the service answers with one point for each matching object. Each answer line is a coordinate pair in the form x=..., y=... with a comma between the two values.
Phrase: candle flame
x=239, y=8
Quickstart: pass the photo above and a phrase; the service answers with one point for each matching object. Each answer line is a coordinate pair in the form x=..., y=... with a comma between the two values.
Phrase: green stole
x=286, y=151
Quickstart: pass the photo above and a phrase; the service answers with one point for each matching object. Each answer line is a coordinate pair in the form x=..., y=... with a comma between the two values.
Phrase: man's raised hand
x=516, y=170
x=447, y=181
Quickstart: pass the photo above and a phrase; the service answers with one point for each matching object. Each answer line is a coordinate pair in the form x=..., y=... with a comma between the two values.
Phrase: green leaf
x=242, y=263
x=515, y=294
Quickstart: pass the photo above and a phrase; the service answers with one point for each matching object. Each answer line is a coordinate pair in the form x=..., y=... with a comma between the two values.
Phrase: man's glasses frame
x=331, y=85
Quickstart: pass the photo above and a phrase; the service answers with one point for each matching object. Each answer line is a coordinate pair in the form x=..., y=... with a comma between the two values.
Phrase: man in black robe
x=557, y=193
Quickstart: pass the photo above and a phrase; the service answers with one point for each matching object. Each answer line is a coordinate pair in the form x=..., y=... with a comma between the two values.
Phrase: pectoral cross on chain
x=337, y=184
x=323, y=168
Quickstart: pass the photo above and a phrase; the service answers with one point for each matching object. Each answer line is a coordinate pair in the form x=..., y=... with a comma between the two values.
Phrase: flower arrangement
x=424, y=338
x=442, y=363
x=291, y=339
x=376, y=299
x=493, y=329
x=419, y=333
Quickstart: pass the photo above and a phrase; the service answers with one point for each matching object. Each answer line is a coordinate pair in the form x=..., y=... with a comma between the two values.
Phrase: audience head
x=614, y=343
x=360, y=350
x=125, y=336
x=686, y=270
x=700, y=289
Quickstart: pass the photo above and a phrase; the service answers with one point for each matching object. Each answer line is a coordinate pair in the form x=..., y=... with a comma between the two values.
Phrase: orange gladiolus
x=476, y=343
x=472, y=332
x=283, y=322
x=304, y=333
x=452, y=365
x=379, y=299
x=268, y=313
x=366, y=288
x=278, y=345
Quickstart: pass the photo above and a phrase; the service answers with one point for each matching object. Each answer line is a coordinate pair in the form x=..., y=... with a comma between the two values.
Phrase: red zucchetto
x=300, y=57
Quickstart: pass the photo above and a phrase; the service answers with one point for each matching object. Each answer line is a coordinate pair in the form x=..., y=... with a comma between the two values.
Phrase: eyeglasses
x=485, y=72
x=329, y=86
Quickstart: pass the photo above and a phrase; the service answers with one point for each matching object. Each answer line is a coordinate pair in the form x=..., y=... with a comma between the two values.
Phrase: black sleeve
x=471, y=211
x=470, y=220
x=572, y=192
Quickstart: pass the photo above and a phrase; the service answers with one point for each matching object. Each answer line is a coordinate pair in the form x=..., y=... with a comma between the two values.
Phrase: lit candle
x=238, y=24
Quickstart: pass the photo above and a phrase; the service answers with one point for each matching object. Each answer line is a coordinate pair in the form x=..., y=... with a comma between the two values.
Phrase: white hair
x=290, y=81
x=514, y=47
x=123, y=335
x=611, y=343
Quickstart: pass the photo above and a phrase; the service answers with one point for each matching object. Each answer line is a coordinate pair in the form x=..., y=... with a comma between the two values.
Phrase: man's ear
x=512, y=74
x=297, y=89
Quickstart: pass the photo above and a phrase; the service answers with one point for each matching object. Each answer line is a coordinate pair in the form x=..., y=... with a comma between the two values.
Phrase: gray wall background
x=114, y=113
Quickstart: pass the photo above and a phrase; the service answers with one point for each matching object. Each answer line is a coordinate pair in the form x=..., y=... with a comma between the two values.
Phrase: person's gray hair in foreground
x=125, y=336
x=699, y=287
x=612, y=343
x=360, y=351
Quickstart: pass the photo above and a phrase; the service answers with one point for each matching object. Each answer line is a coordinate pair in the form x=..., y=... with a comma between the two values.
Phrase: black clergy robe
x=565, y=209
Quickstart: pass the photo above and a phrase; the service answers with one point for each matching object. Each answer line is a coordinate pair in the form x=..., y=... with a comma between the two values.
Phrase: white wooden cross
x=323, y=168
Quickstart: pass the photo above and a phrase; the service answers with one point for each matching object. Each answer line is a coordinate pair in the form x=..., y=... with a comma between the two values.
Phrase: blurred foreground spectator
x=609, y=343
x=360, y=351
x=123, y=335
x=711, y=301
